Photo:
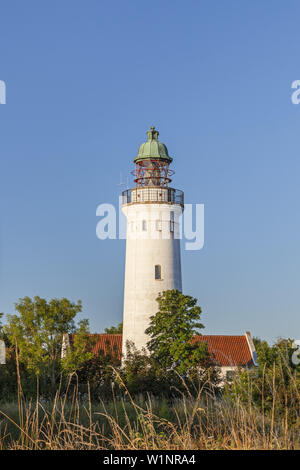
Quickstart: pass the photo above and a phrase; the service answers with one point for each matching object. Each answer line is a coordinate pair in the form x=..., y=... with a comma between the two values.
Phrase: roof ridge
x=223, y=336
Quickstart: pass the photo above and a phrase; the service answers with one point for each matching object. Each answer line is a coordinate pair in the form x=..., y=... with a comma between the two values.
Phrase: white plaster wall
x=144, y=250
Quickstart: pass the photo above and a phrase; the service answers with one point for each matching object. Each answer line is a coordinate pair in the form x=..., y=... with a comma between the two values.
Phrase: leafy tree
x=142, y=374
x=274, y=385
x=37, y=331
x=2, y=336
x=93, y=368
x=80, y=350
x=98, y=372
x=172, y=329
x=113, y=330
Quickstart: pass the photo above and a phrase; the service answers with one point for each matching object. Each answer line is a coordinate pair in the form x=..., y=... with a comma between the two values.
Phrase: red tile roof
x=105, y=342
x=108, y=343
x=226, y=350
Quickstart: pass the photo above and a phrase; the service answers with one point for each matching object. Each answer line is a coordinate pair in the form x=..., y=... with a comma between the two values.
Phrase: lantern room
x=152, y=163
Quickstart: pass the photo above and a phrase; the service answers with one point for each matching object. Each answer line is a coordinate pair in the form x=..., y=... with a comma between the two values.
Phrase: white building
x=153, y=210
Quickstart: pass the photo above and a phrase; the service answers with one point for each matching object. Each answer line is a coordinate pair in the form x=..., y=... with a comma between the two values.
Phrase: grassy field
x=201, y=422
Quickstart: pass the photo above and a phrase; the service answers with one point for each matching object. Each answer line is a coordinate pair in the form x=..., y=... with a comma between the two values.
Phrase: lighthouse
x=153, y=211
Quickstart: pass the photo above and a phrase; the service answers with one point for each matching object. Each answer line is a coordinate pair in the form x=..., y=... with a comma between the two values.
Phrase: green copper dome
x=153, y=148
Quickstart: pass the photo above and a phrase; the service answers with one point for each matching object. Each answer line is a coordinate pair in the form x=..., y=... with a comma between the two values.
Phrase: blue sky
x=85, y=80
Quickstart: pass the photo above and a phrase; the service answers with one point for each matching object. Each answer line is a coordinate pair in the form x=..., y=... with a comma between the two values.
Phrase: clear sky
x=85, y=80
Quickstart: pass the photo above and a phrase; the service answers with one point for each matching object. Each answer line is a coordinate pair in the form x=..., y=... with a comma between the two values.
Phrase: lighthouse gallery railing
x=153, y=194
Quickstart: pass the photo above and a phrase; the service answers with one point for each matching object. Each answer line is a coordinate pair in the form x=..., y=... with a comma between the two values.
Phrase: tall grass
x=199, y=420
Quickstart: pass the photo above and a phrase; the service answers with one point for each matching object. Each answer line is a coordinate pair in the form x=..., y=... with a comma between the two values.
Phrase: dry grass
x=201, y=422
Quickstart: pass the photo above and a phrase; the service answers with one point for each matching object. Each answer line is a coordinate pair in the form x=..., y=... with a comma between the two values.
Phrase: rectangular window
x=172, y=221
x=144, y=225
x=157, y=271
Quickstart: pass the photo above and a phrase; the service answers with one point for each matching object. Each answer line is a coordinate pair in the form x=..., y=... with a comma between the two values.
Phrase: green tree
x=94, y=367
x=172, y=329
x=1, y=327
x=37, y=330
x=142, y=374
x=99, y=373
x=113, y=330
x=274, y=385
x=80, y=350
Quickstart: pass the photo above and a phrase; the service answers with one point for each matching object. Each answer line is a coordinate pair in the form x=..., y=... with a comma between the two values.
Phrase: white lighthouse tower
x=153, y=264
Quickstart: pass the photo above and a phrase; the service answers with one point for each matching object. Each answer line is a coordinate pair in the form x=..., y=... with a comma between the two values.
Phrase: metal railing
x=153, y=194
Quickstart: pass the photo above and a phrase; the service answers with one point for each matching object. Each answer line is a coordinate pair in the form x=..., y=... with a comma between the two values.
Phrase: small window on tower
x=172, y=221
x=144, y=225
x=157, y=271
